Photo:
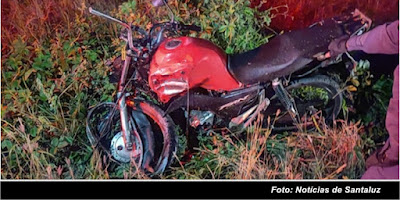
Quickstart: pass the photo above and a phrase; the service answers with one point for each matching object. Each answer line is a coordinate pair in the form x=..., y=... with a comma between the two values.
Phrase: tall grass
x=53, y=71
x=326, y=153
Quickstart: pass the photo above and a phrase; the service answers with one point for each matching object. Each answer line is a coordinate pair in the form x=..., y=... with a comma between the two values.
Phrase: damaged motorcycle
x=211, y=88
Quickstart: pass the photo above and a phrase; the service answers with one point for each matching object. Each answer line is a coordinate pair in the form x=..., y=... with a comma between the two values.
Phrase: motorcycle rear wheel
x=327, y=88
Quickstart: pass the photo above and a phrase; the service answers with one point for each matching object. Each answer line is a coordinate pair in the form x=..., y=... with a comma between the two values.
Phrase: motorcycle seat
x=283, y=54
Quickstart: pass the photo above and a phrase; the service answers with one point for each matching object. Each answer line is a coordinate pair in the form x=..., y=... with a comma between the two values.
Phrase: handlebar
x=165, y=27
x=148, y=37
x=176, y=26
x=190, y=27
x=95, y=12
x=127, y=26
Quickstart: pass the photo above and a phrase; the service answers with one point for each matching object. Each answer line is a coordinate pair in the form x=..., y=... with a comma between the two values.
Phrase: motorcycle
x=212, y=88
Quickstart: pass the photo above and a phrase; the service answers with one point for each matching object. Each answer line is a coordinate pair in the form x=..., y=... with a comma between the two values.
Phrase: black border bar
x=197, y=189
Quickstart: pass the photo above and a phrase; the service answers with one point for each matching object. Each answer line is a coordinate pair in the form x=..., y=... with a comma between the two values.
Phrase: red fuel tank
x=184, y=63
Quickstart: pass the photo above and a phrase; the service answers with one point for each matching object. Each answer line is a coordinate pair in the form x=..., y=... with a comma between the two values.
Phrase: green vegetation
x=372, y=93
x=53, y=72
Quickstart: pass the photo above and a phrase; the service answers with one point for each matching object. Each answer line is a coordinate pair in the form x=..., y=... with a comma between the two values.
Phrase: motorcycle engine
x=200, y=118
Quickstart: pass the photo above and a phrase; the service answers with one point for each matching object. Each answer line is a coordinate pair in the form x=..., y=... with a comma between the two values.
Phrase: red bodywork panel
x=184, y=63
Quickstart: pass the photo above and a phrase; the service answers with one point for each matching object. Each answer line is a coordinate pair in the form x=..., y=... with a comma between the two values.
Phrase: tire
x=159, y=144
x=166, y=141
x=330, y=112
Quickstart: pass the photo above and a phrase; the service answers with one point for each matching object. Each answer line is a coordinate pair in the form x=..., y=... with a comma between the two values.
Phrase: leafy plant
x=365, y=90
x=309, y=93
x=50, y=76
x=230, y=24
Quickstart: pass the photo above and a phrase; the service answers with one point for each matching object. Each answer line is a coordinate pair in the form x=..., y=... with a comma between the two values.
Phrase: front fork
x=126, y=129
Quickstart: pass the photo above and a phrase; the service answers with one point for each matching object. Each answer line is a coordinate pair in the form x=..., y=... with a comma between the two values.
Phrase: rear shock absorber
x=286, y=100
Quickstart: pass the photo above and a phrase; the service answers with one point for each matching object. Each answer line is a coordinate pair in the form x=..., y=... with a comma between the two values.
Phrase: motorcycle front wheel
x=153, y=135
x=313, y=95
